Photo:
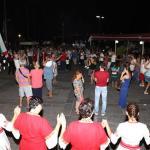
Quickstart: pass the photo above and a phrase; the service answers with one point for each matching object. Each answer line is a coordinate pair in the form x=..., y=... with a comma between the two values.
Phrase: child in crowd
x=78, y=89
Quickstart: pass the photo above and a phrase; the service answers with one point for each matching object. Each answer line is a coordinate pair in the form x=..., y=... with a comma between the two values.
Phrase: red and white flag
x=2, y=46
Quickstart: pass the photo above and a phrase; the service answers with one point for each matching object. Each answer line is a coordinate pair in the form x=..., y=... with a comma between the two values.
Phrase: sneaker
x=141, y=85
x=102, y=114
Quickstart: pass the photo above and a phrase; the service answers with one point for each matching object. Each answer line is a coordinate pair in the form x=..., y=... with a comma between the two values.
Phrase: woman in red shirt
x=36, y=75
x=36, y=132
x=83, y=134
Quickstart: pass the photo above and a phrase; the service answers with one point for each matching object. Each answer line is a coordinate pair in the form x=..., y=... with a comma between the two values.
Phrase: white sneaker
x=141, y=85
x=102, y=114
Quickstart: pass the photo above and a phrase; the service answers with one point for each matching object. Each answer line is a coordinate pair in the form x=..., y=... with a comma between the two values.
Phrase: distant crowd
x=34, y=67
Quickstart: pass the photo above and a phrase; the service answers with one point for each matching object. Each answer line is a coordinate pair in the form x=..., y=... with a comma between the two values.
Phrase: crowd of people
x=32, y=68
x=83, y=134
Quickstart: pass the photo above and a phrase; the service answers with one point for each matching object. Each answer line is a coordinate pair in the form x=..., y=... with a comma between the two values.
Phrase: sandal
x=145, y=93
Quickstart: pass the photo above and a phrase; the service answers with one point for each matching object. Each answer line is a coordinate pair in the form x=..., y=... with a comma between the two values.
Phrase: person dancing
x=125, y=79
x=78, y=89
x=131, y=131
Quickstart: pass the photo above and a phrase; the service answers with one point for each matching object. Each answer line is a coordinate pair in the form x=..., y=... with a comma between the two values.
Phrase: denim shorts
x=147, y=79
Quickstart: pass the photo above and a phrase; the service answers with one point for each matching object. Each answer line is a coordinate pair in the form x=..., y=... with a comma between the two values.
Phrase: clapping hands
x=61, y=119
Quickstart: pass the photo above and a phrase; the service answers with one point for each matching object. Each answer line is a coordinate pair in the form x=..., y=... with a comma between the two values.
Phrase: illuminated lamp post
x=116, y=42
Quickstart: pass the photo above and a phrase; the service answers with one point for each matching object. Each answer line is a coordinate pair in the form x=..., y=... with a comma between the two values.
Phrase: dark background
x=73, y=19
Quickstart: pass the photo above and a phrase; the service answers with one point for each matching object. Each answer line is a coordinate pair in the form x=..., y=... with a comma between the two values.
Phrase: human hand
x=63, y=120
x=104, y=123
x=58, y=119
x=17, y=110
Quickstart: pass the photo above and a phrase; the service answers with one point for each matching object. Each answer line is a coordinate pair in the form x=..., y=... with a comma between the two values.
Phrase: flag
x=2, y=46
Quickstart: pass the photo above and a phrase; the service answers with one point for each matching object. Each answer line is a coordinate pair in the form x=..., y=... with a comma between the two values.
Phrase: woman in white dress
x=131, y=131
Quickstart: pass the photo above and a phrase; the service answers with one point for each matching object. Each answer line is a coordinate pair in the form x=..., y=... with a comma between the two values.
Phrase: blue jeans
x=100, y=91
x=49, y=84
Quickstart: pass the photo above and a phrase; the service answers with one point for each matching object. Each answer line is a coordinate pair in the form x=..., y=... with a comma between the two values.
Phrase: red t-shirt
x=63, y=57
x=85, y=136
x=102, y=78
x=36, y=78
x=34, y=130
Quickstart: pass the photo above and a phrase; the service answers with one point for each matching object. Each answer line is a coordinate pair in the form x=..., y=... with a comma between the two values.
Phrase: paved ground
x=63, y=101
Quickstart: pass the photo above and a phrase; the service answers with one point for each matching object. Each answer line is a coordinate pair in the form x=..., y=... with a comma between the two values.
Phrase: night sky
x=48, y=19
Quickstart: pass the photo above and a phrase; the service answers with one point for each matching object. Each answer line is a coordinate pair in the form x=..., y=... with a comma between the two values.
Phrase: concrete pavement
x=63, y=101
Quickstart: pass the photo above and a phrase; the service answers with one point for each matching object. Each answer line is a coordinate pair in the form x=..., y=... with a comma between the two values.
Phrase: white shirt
x=17, y=63
x=142, y=67
x=82, y=56
x=113, y=58
x=4, y=143
x=30, y=53
x=101, y=57
x=131, y=134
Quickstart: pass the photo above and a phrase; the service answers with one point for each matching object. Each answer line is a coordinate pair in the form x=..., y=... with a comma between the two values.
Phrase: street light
x=19, y=35
x=142, y=43
x=116, y=42
x=100, y=17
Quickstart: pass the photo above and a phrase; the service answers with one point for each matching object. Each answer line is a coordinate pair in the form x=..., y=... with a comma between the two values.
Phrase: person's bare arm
x=62, y=142
x=51, y=139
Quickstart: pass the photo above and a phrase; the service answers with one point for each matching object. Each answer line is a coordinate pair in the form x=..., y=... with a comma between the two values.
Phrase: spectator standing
x=63, y=58
x=142, y=71
x=48, y=76
x=147, y=76
x=11, y=65
x=16, y=61
x=36, y=75
x=113, y=59
x=23, y=79
x=115, y=75
x=101, y=78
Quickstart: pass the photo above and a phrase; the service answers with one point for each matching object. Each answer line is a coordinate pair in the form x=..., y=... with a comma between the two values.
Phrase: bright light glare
x=141, y=42
x=116, y=41
x=19, y=35
x=98, y=17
